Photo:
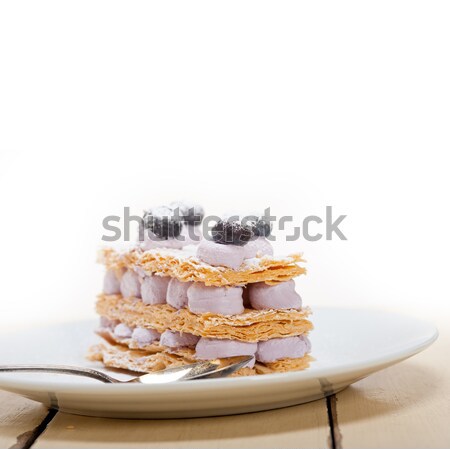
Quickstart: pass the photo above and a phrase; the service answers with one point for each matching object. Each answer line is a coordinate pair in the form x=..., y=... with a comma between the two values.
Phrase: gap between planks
x=27, y=439
x=335, y=440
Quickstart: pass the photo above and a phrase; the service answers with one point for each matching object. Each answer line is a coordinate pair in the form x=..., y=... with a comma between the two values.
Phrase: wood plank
x=19, y=419
x=304, y=426
x=405, y=406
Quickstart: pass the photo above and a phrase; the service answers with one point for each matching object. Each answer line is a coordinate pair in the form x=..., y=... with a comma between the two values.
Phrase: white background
x=238, y=104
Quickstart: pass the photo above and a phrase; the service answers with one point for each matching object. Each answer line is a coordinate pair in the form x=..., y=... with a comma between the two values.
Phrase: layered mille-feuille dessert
x=177, y=296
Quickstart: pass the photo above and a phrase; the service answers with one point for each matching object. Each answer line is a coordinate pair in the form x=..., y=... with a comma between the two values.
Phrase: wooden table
x=405, y=406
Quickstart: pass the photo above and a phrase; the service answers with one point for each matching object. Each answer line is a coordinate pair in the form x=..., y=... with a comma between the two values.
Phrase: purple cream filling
x=154, y=289
x=258, y=247
x=151, y=241
x=279, y=348
x=215, y=254
x=106, y=323
x=111, y=283
x=192, y=235
x=130, y=285
x=281, y=296
x=232, y=256
x=221, y=300
x=174, y=340
x=122, y=331
x=177, y=293
x=144, y=337
x=213, y=348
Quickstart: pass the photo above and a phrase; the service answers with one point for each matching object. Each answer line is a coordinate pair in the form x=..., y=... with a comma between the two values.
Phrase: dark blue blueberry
x=162, y=222
x=231, y=233
x=262, y=227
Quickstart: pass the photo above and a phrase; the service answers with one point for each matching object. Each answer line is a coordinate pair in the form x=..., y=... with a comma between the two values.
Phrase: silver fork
x=206, y=369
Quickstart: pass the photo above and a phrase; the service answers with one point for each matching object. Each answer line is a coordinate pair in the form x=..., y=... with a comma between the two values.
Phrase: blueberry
x=231, y=233
x=166, y=227
x=260, y=224
x=192, y=214
x=262, y=227
x=162, y=222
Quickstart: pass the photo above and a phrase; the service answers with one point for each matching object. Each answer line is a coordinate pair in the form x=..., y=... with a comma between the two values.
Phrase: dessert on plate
x=176, y=296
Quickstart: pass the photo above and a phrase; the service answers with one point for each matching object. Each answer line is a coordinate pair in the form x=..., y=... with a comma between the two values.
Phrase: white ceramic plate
x=347, y=344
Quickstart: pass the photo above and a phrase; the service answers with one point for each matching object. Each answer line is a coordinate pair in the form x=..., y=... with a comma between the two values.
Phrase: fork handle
x=60, y=369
